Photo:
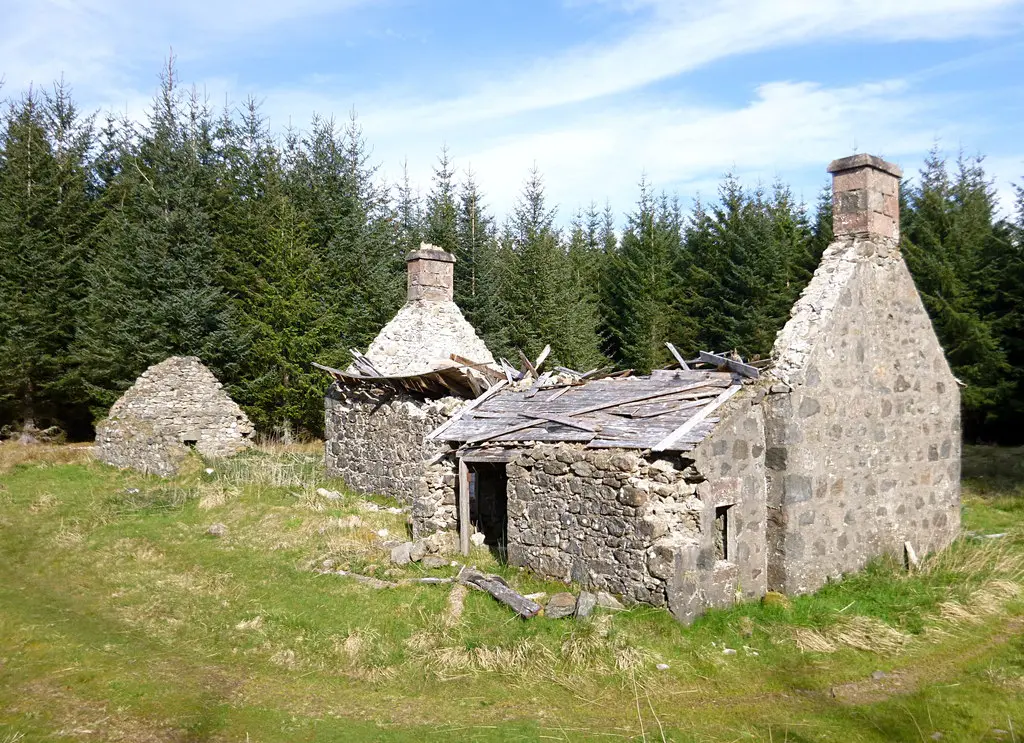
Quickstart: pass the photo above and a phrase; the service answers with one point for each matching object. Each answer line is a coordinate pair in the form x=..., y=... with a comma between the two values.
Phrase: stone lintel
x=430, y=253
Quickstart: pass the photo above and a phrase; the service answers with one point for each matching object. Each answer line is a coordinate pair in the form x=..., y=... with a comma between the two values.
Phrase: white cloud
x=678, y=37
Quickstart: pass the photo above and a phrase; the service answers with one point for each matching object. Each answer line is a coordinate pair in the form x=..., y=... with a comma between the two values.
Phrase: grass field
x=121, y=619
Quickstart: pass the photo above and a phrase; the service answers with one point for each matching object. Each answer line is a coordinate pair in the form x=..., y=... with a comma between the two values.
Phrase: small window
x=722, y=532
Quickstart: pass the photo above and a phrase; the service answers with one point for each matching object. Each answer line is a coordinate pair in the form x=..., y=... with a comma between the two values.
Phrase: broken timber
x=495, y=586
x=699, y=417
x=739, y=367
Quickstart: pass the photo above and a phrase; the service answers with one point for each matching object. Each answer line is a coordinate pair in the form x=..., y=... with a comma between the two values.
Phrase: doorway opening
x=488, y=504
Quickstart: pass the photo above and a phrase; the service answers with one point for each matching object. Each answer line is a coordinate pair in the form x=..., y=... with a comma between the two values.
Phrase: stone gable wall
x=172, y=403
x=376, y=441
x=864, y=452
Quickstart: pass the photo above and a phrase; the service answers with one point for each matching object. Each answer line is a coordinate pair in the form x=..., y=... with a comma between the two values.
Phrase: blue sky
x=596, y=93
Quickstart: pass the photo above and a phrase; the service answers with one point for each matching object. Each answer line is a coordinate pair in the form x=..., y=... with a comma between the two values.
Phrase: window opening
x=722, y=532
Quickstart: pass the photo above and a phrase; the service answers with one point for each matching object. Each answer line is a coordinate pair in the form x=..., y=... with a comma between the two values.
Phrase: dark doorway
x=488, y=504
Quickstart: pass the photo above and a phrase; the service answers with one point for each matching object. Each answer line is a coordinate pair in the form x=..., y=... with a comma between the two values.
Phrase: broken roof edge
x=665, y=412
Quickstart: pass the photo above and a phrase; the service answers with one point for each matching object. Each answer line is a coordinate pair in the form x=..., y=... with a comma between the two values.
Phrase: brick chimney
x=431, y=274
x=865, y=197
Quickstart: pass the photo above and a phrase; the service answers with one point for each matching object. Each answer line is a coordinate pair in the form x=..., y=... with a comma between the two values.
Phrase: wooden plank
x=697, y=418
x=486, y=369
x=679, y=358
x=561, y=392
x=494, y=585
x=591, y=409
x=527, y=365
x=463, y=497
x=562, y=420
x=511, y=373
x=495, y=454
x=737, y=366
x=537, y=385
x=543, y=357
x=329, y=369
x=466, y=408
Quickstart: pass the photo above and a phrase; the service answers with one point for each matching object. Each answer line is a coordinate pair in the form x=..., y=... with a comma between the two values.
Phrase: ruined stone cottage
x=703, y=485
x=175, y=406
x=417, y=372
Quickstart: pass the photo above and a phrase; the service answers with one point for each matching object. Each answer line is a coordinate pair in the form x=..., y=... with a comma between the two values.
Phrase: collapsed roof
x=671, y=410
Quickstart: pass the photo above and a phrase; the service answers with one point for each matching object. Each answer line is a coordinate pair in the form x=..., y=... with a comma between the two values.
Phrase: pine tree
x=442, y=212
x=476, y=270
x=45, y=212
x=155, y=281
x=948, y=235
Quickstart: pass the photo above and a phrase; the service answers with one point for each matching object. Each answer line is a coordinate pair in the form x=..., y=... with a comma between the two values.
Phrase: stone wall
x=864, y=452
x=174, y=405
x=594, y=516
x=732, y=462
x=434, y=507
x=376, y=441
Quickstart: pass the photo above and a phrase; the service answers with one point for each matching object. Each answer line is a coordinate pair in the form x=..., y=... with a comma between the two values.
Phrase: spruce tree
x=441, y=215
x=155, y=280
x=948, y=236
x=476, y=270
x=642, y=295
x=45, y=213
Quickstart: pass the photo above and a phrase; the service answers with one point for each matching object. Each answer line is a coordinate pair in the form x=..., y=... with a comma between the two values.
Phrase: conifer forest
x=199, y=231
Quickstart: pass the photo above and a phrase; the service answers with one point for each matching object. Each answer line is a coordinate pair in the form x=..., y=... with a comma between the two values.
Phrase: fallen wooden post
x=497, y=587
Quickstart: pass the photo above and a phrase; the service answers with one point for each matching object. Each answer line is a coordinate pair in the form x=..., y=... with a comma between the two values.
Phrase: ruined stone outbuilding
x=712, y=482
x=417, y=373
x=175, y=406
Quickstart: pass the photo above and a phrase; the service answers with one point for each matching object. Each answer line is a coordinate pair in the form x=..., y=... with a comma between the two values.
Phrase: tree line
x=197, y=231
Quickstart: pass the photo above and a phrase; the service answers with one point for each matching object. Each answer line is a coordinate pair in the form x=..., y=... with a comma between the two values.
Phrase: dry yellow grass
x=13, y=454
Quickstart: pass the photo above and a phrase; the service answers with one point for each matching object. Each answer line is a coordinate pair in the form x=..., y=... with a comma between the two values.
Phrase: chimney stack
x=865, y=197
x=431, y=274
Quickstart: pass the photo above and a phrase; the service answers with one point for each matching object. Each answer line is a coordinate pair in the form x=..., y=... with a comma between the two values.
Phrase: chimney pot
x=865, y=197
x=431, y=274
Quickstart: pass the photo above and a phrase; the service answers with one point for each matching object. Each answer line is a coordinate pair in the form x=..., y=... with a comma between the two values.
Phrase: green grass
x=122, y=619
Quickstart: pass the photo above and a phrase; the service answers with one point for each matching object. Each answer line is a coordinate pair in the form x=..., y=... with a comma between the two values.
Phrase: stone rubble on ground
x=217, y=530
x=585, y=604
x=560, y=606
x=477, y=538
x=606, y=601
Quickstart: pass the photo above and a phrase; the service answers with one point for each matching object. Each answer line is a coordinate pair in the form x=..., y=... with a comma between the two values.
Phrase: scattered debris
x=456, y=604
x=418, y=551
x=879, y=675
x=209, y=470
x=433, y=562
x=477, y=538
x=498, y=588
x=560, y=606
x=402, y=554
x=536, y=596
x=217, y=530
x=606, y=601
x=662, y=666
x=585, y=604
x=328, y=494
x=912, y=561
x=728, y=651
x=382, y=533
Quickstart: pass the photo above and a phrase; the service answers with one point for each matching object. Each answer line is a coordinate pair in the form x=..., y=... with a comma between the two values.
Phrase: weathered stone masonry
x=174, y=405
x=847, y=448
x=864, y=454
x=377, y=440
